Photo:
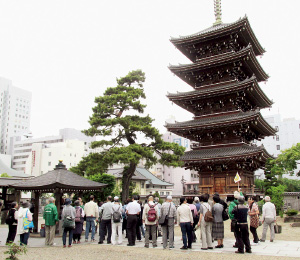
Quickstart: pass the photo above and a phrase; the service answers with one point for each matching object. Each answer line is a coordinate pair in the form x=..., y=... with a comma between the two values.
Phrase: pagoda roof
x=59, y=178
x=218, y=90
x=226, y=119
x=228, y=153
x=246, y=54
x=242, y=26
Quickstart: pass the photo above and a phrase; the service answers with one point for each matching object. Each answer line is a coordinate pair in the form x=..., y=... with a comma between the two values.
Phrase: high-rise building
x=15, y=106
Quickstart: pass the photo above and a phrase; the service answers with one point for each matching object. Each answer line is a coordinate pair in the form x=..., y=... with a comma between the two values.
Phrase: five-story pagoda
x=225, y=102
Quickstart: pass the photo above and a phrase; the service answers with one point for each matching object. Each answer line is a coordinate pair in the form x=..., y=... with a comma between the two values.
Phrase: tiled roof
x=118, y=173
x=152, y=179
x=58, y=178
x=216, y=120
x=223, y=152
x=5, y=182
x=11, y=172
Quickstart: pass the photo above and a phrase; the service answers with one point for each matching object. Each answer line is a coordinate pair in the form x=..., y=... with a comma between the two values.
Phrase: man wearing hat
x=168, y=208
x=116, y=221
x=105, y=224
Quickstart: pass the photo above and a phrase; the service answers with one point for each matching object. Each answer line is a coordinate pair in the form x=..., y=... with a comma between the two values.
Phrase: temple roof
x=234, y=118
x=226, y=153
x=59, y=178
x=242, y=26
x=246, y=56
x=219, y=90
x=118, y=173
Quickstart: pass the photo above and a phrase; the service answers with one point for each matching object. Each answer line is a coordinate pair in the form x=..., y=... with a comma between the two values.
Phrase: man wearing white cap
x=168, y=209
x=116, y=221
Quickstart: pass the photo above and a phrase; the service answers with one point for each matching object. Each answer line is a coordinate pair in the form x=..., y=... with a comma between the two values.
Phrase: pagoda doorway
x=220, y=185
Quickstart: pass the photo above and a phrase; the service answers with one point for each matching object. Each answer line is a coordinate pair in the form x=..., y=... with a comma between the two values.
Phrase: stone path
x=277, y=248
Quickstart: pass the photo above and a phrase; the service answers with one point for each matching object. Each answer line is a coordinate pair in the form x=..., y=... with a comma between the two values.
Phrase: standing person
x=206, y=227
x=185, y=220
x=68, y=215
x=168, y=209
x=80, y=202
x=142, y=230
x=150, y=218
x=105, y=224
x=133, y=210
x=254, y=218
x=218, y=223
x=159, y=214
x=12, y=222
x=124, y=225
x=197, y=204
x=92, y=214
x=232, y=205
x=51, y=219
x=79, y=218
x=195, y=215
x=240, y=213
x=116, y=221
x=268, y=219
x=23, y=232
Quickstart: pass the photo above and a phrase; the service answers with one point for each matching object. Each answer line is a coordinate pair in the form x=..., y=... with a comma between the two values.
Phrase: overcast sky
x=68, y=52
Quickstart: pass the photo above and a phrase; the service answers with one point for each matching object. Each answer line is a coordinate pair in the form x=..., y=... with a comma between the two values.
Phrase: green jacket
x=50, y=214
x=231, y=207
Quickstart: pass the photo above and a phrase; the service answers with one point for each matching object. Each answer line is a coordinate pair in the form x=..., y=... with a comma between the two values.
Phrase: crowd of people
x=114, y=219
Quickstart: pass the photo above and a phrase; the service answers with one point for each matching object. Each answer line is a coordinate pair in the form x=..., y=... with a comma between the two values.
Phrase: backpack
x=151, y=216
x=208, y=217
x=117, y=215
x=78, y=215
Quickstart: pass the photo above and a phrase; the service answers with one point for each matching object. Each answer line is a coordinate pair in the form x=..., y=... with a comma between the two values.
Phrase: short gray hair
x=51, y=200
x=267, y=199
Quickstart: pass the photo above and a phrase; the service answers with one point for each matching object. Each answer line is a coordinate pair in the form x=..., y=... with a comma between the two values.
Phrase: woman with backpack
x=12, y=222
x=79, y=218
x=116, y=221
x=68, y=215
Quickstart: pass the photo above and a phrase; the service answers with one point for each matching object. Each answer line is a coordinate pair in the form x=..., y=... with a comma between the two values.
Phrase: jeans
x=90, y=222
x=254, y=233
x=268, y=222
x=24, y=238
x=142, y=230
x=70, y=235
x=105, y=224
x=186, y=230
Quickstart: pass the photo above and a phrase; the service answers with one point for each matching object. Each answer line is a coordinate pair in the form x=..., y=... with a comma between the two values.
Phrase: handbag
x=26, y=223
x=68, y=222
x=163, y=220
x=225, y=215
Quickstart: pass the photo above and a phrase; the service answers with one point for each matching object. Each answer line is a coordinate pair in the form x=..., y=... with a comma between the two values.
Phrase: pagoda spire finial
x=218, y=12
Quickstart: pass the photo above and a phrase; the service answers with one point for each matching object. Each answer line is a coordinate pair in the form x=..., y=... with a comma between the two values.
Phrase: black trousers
x=242, y=233
x=254, y=233
x=105, y=225
x=138, y=231
x=12, y=231
x=131, y=228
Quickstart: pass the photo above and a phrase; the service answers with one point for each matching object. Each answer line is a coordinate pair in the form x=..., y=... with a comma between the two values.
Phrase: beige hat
x=236, y=194
x=196, y=199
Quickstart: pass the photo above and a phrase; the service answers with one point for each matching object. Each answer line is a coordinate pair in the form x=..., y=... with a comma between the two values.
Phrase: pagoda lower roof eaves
x=224, y=89
x=224, y=120
x=225, y=154
x=220, y=60
x=219, y=30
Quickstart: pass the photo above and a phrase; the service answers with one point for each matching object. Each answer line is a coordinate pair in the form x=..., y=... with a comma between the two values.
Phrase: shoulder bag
x=26, y=223
x=163, y=220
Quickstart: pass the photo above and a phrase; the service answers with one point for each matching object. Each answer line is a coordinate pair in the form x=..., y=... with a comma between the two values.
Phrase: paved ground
x=277, y=248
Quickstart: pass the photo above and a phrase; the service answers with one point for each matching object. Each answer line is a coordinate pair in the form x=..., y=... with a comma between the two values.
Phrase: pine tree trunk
x=127, y=175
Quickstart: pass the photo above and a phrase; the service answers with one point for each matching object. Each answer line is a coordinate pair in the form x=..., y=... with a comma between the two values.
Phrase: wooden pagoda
x=226, y=103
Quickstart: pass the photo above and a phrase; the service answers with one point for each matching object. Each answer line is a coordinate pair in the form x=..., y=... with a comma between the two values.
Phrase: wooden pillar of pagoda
x=36, y=211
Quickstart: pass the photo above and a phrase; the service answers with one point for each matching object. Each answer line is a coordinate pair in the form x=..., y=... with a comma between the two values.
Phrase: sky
x=68, y=52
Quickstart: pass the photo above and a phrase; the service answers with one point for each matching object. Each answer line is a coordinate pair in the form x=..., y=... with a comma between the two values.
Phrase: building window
x=143, y=185
x=278, y=147
x=167, y=193
x=162, y=193
x=277, y=137
x=49, y=163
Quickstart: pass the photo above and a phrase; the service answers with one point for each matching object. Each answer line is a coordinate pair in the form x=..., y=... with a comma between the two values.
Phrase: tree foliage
x=276, y=194
x=291, y=185
x=126, y=136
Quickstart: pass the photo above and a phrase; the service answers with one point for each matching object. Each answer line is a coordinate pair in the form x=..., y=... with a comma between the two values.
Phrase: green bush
x=291, y=212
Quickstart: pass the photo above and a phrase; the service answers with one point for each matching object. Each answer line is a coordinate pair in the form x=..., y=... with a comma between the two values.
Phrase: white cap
x=116, y=198
x=169, y=197
x=196, y=199
x=236, y=194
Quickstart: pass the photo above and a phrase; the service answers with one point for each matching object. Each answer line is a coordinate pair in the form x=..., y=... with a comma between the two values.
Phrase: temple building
x=226, y=100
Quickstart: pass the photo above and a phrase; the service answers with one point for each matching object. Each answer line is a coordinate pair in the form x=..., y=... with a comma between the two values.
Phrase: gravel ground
x=88, y=252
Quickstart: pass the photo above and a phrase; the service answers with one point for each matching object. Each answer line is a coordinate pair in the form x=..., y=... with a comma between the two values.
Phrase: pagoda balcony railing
x=246, y=191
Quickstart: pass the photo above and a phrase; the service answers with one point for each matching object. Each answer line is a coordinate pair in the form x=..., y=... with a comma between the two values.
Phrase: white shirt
x=133, y=208
x=269, y=211
x=184, y=213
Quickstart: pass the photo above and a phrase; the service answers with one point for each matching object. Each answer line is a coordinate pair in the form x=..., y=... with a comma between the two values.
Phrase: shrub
x=291, y=212
x=15, y=250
